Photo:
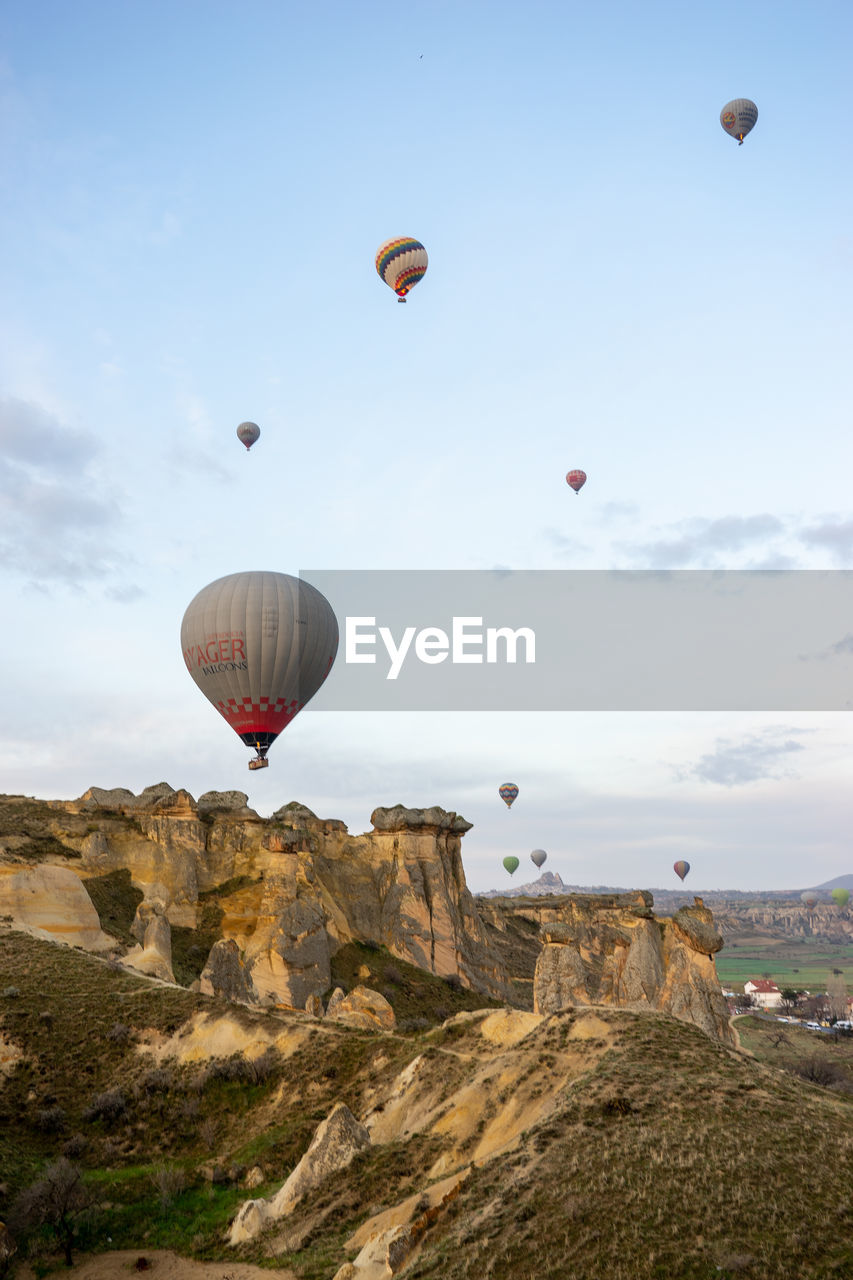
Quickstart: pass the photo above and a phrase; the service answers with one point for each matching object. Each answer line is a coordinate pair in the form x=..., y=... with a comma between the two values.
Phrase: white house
x=765, y=993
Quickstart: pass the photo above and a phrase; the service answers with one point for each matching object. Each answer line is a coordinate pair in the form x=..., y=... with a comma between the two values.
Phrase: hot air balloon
x=576, y=480
x=508, y=792
x=401, y=263
x=681, y=868
x=841, y=896
x=259, y=645
x=511, y=864
x=248, y=433
x=538, y=856
x=738, y=117
x=810, y=898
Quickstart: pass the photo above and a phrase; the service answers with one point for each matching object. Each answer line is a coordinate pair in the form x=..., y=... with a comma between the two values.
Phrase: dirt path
x=162, y=1265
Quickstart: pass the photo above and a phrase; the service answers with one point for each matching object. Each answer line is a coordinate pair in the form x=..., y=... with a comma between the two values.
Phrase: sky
x=193, y=197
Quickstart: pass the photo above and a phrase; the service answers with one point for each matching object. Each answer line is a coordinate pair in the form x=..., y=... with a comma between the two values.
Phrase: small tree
x=790, y=996
x=56, y=1201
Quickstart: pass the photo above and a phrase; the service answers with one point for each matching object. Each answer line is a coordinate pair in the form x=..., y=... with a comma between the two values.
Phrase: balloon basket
x=259, y=763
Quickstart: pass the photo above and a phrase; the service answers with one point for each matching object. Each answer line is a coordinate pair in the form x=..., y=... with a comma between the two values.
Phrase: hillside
x=593, y=1142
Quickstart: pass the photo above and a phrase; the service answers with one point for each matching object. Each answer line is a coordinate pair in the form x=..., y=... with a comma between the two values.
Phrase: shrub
x=74, y=1147
x=51, y=1120
x=454, y=981
x=169, y=1181
x=109, y=1107
x=119, y=1033
x=11, y=993
x=393, y=974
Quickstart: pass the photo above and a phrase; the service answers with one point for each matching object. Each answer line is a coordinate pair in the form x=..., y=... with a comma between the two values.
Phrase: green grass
x=115, y=899
x=790, y=962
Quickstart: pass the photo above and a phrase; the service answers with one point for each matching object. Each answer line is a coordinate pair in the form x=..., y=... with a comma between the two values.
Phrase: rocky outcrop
x=51, y=902
x=610, y=950
x=336, y=1143
x=361, y=1008
x=154, y=954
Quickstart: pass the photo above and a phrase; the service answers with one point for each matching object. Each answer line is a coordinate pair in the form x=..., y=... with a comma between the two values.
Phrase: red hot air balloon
x=259, y=645
x=681, y=868
x=576, y=480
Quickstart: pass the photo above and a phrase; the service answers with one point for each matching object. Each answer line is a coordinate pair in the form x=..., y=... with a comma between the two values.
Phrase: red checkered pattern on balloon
x=264, y=715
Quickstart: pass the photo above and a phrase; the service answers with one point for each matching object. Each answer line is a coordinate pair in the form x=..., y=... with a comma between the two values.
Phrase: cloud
x=836, y=535
x=698, y=540
x=737, y=764
x=55, y=522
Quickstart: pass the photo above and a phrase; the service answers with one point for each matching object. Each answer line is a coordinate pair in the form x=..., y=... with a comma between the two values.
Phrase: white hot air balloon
x=259, y=645
x=538, y=857
x=738, y=118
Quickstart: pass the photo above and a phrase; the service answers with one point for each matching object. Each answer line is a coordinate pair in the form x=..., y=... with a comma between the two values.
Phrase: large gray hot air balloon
x=259, y=645
x=538, y=856
x=738, y=118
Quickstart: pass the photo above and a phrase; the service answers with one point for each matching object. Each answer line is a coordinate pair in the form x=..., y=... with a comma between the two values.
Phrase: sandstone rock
x=253, y=1178
x=337, y=1141
x=399, y=818
x=314, y=1006
x=288, y=954
x=695, y=927
x=598, y=951
x=225, y=974
x=51, y=902
x=362, y=1008
x=223, y=801
x=336, y=999
x=154, y=956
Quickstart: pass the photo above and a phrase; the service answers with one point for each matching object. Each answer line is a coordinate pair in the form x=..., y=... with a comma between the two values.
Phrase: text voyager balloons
x=259, y=645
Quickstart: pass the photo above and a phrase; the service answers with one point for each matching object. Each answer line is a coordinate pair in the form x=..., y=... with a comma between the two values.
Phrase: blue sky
x=194, y=194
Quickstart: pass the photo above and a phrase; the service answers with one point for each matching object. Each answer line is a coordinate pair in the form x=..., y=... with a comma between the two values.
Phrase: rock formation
x=291, y=890
x=335, y=1145
x=361, y=1008
x=612, y=951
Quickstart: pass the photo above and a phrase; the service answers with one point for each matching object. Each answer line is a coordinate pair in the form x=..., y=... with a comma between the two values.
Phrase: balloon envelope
x=738, y=118
x=576, y=480
x=841, y=896
x=259, y=645
x=809, y=897
x=511, y=864
x=508, y=792
x=681, y=868
x=401, y=263
x=248, y=433
x=538, y=856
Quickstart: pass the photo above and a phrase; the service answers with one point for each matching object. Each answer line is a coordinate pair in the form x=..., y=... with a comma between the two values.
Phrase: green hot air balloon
x=511, y=864
x=841, y=896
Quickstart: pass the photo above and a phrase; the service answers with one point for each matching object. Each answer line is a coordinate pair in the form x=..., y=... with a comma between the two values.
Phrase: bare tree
x=57, y=1201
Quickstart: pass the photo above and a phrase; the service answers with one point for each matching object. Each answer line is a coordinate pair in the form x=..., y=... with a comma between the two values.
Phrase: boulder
x=154, y=954
x=362, y=1008
x=399, y=818
x=52, y=903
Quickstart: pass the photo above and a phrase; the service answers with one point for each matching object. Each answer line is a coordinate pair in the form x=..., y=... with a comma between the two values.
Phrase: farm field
x=790, y=962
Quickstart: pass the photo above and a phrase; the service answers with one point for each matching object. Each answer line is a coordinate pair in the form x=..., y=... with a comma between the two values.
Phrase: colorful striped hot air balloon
x=508, y=792
x=511, y=864
x=681, y=868
x=259, y=645
x=738, y=118
x=401, y=263
x=576, y=480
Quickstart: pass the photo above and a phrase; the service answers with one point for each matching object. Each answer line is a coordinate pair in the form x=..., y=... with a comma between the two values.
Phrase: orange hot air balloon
x=576, y=480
